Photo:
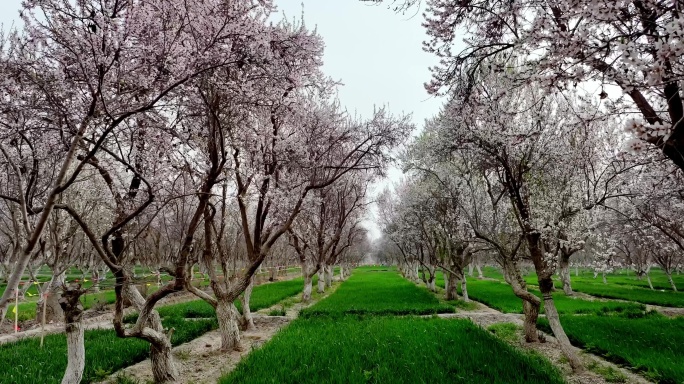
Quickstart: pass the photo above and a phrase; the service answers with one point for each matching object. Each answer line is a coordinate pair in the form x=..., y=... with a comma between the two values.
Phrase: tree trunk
x=565, y=274
x=669, y=278
x=53, y=309
x=648, y=278
x=576, y=271
x=342, y=273
x=247, y=320
x=531, y=311
x=227, y=316
x=464, y=290
x=321, y=281
x=545, y=285
x=451, y=292
x=604, y=278
x=163, y=365
x=431, y=279
x=470, y=269
x=272, y=274
x=531, y=303
x=479, y=272
x=73, y=312
x=329, y=270
x=308, y=286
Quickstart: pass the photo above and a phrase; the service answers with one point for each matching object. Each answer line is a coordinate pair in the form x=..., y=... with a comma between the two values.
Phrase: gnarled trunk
x=227, y=316
x=163, y=365
x=247, y=320
x=73, y=312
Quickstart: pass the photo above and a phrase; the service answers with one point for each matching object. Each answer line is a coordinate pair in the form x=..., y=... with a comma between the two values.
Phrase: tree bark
x=451, y=292
x=479, y=272
x=247, y=320
x=227, y=316
x=163, y=365
x=669, y=278
x=565, y=274
x=531, y=303
x=650, y=284
x=53, y=308
x=73, y=312
x=328, y=275
x=545, y=284
x=464, y=290
x=308, y=286
x=321, y=281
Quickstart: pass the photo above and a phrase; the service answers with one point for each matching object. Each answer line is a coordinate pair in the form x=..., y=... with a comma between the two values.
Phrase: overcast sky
x=375, y=52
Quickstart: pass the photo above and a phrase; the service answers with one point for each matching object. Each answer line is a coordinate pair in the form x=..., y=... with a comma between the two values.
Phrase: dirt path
x=103, y=319
x=201, y=360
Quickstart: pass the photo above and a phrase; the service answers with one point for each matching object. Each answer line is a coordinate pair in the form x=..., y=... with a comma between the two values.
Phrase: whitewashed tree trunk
x=73, y=313
x=227, y=316
x=650, y=284
x=321, y=281
x=308, y=286
x=247, y=320
x=464, y=290
x=604, y=279
x=479, y=272
x=672, y=283
x=576, y=271
x=329, y=270
x=342, y=273
x=470, y=269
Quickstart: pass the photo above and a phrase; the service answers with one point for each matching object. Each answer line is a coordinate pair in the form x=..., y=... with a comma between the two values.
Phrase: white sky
x=375, y=52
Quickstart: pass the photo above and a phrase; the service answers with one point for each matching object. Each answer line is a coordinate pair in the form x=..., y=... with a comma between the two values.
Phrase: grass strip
x=378, y=292
x=25, y=362
x=389, y=350
x=499, y=295
x=651, y=344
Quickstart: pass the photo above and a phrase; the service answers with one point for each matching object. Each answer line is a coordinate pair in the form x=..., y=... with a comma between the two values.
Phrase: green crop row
x=389, y=350
x=651, y=344
x=25, y=362
x=378, y=291
x=499, y=295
